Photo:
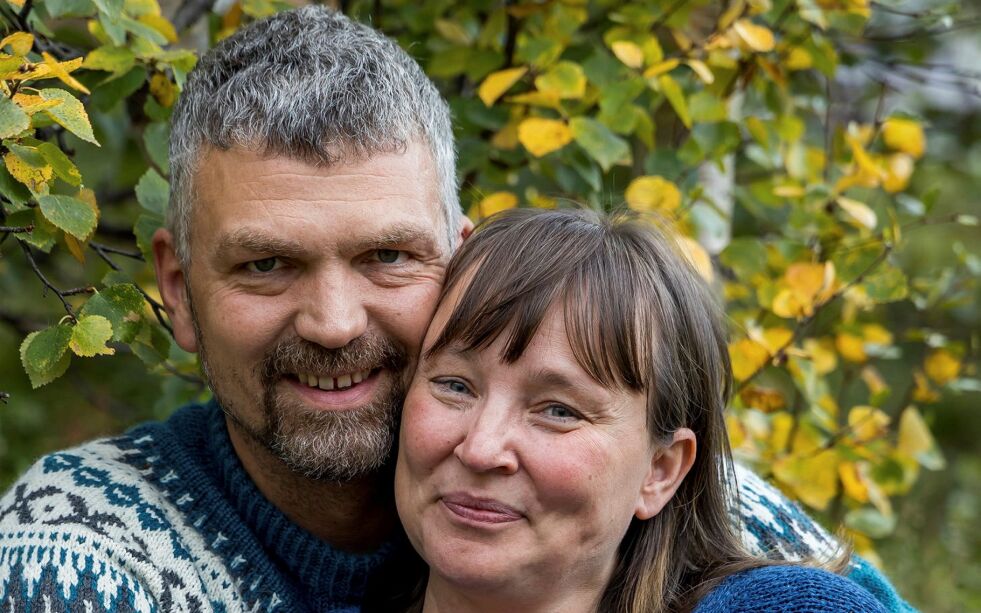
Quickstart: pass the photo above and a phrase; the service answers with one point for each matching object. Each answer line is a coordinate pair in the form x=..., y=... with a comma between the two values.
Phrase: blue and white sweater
x=164, y=518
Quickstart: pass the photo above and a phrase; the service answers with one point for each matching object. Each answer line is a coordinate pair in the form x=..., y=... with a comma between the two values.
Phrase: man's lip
x=349, y=398
x=479, y=509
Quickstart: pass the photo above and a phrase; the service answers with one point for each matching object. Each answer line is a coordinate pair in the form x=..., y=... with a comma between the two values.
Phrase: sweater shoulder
x=788, y=588
x=93, y=524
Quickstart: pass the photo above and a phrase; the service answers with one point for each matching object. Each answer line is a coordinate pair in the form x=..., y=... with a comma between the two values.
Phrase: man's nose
x=332, y=311
x=489, y=443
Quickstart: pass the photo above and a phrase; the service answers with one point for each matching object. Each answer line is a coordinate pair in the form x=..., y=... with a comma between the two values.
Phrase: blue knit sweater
x=164, y=518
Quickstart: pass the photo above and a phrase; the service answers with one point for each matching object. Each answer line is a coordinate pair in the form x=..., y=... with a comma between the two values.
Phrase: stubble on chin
x=334, y=446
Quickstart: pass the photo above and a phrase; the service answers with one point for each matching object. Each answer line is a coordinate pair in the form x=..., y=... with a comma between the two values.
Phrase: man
x=313, y=211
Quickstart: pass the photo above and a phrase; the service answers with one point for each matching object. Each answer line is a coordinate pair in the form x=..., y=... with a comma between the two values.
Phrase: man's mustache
x=367, y=352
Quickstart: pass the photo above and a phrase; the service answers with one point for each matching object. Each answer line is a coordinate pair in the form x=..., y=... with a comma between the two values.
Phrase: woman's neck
x=443, y=597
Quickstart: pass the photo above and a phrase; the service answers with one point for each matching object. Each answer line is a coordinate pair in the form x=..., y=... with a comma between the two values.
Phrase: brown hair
x=637, y=316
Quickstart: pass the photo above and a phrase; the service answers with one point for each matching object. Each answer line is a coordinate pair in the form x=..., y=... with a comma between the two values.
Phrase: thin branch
x=159, y=311
x=671, y=10
x=99, y=247
x=806, y=323
x=40, y=275
x=17, y=229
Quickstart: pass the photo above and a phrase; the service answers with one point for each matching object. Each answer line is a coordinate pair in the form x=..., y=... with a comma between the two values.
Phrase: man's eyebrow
x=403, y=234
x=258, y=242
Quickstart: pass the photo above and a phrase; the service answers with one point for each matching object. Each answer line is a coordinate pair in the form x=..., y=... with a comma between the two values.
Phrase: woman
x=563, y=446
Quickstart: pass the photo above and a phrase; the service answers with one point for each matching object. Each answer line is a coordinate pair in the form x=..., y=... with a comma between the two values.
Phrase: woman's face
x=521, y=476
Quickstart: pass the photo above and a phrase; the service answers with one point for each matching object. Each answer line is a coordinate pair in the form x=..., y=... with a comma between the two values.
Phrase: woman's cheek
x=429, y=431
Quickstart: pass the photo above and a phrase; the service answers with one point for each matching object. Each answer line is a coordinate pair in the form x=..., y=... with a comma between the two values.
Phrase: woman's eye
x=454, y=386
x=389, y=256
x=560, y=412
x=263, y=265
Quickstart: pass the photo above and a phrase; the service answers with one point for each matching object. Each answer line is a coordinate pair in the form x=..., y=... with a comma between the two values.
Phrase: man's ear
x=173, y=290
x=466, y=229
x=669, y=466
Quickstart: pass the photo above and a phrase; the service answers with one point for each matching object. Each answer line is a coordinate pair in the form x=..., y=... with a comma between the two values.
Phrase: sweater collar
x=320, y=572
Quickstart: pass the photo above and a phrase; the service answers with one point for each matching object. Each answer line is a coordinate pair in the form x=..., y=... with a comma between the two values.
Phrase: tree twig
x=47, y=284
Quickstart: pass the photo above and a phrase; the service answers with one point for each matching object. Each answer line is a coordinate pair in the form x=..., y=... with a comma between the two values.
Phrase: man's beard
x=337, y=446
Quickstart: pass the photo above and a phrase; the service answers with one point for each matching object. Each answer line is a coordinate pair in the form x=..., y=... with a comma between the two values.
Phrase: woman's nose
x=489, y=444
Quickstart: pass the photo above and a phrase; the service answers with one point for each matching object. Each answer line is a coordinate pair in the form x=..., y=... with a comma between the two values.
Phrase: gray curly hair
x=312, y=85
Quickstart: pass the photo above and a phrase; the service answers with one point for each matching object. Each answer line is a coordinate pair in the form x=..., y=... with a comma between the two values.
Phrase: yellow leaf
x=34, y=177
x=702, y=70
x=31, y=103
x=653, y=193
x=20, y=42
x=161, y=25
x=737, y=433
x=163, y=90
x=536, y=98
x=782, y=425
x=775, y=339
x=942, y=366
x=922, y=392
x=507, y=137
x=765, y=399
x=756, y=37
x=914, y=435
x=813, y=478
x=499, y=82
x=747, y=357
x=497, y=202
x=541, y=136
x=61, y=70
x=75, y=247
x=867, y=423
x=859, y=211
x=798, y=59
x=697, y=256
x=898, y=170
x=661, y=68
x=853, y=482
x=851, y=347
x=629, y=53
x=876, y=334
x=810, y=283
x=789, y=191
x=904, y=135
x=822, y=354
x=873, y=380
x=541, y=202
x=730, y=15
x=565, y=79
x=681, y=39
x=787, y=304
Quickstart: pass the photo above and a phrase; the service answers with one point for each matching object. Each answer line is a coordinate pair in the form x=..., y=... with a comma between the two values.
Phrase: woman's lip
x=479, y=509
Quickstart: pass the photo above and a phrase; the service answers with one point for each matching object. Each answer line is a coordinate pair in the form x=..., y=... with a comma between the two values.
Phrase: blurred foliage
x=835, y=212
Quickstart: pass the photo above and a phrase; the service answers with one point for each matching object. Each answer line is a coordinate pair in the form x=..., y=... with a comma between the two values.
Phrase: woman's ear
x=669, y=466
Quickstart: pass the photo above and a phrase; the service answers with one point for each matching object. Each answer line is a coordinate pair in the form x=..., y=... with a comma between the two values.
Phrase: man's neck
x=357, y=516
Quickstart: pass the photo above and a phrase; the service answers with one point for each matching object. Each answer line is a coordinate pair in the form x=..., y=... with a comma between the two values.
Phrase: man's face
x=308, y=294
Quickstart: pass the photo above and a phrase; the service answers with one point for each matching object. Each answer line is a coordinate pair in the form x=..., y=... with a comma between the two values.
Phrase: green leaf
x=887, y=284
x=70, y=114
x=69, y=8
x=117, y=60
x=672, y=91
x=156, y=137
x=565, y=79
x=146, y=225
x=142, y=30
x=870, y=522
x=153, y=192
x=44, y=354
x=89, y=336
x=111, y=91
x=599, y=141
x=70, y=214
x=63, y=166
x=43, y=236
x=746, y=257
x=123, y=306
x=13, y=120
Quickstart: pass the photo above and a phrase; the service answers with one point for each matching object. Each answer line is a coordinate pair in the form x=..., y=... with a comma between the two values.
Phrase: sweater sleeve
x=788, y=588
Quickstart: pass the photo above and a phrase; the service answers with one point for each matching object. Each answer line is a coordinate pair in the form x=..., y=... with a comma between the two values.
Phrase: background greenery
x=822, y=156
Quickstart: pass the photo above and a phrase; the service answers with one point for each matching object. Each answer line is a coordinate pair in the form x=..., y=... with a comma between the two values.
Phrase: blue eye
x=561, y=413
x=263, y=265
x=454, y=386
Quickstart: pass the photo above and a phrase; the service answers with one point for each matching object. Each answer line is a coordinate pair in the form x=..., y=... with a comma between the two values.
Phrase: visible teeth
x=344, y=381
x=326, y=383
x=357, y=377
x=312, y=380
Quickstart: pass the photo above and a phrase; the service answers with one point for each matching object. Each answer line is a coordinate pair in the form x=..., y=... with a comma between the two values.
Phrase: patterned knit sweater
x=165, y=518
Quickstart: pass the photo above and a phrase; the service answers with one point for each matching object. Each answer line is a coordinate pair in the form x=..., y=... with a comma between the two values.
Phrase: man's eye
x=390, y=256
x=263, y=265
